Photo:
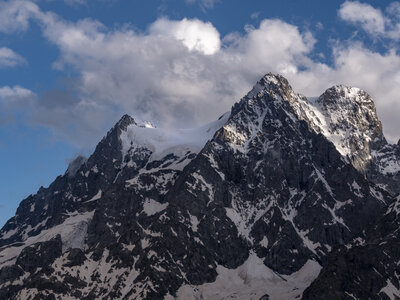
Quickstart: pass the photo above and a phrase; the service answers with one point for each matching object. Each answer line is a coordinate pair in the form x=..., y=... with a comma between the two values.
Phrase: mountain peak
x=116, y=130
x=351, y=108
x=275, y=82
x=274, y=78
x=347, y=117
x=271, y=84
x=346, y=95
x=125, y=121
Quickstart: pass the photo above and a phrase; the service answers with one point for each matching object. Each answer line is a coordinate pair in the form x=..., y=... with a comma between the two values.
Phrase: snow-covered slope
x=252, y=280
x=166, y=141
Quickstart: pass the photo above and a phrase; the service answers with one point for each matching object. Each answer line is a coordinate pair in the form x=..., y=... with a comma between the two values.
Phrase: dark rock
x=75, y=257
x=39, y=254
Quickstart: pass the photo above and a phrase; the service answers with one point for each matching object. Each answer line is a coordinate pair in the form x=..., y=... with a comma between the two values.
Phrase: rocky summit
x=283, y=197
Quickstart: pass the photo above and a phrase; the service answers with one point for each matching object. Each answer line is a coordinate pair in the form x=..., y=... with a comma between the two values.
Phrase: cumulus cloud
x=275, y=45
x=181, y=72
x=373, y=20
x=194, y=34
x=369, y=18
x=8, y=58
x=176, y=73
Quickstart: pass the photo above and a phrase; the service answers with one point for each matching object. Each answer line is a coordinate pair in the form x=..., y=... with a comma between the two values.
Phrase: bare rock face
x=366, y=268
x=251, y=205
x=353, y=116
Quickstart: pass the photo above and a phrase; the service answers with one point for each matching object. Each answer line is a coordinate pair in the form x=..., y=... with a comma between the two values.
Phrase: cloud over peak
x=181, y=72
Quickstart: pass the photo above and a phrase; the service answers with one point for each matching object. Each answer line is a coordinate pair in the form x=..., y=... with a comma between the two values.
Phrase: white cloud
x=373, y=20
x=194, y=34
x=276, y=46
x=8, y=58
x=369, y=18
x=163, y=75
x=15, y=15
x=7, y=92
x=181, y=72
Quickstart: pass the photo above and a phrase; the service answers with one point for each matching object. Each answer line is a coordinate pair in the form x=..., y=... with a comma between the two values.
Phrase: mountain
x=251, y=206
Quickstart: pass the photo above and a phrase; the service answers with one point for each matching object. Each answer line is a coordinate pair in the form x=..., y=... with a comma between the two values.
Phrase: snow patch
x=151, y=207
x=264, y=242
x=144, y=243
x=73, y=231
x=323, y=180
x=377, y=194
x=195, y=223
x=96, y=197
x=252, y=280
x=391, y=167
x=390, y=290
x=357, y=189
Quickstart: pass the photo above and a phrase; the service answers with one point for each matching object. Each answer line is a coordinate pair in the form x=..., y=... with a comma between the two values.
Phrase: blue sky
x=69, y=69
